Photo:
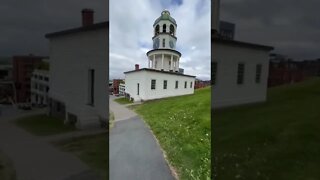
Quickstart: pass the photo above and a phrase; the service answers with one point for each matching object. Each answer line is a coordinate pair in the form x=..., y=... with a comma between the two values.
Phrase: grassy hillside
x=279, y=139
x=182, y=126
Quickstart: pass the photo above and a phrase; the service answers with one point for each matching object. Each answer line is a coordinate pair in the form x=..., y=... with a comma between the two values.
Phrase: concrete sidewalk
x=35, y=159
x=119, y=111
x=133, y=152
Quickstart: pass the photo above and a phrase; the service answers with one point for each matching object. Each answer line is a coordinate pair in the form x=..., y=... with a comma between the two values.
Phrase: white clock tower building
x=163, y=56
x=162, y=78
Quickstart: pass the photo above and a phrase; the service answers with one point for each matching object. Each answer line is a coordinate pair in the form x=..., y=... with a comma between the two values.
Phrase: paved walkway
x=35, y=159
x=119, y=111
x=133, y=152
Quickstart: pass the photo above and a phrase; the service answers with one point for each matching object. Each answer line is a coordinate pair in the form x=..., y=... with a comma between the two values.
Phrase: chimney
x=87, y=17
x=137, y=66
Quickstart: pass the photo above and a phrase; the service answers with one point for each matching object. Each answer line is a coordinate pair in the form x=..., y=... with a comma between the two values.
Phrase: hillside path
x=35, y=159
x=133, y=151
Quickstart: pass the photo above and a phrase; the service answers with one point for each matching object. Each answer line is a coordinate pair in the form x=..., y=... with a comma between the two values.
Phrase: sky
x=131, y=34
x=25, y=23
x=291, y=26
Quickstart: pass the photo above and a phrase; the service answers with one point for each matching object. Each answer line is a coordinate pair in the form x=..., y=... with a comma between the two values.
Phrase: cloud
x=291, y=26
x=131, y=34
x=24, y=23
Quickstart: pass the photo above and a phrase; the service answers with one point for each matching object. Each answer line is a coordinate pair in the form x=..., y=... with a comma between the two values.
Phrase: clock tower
x=163, y=56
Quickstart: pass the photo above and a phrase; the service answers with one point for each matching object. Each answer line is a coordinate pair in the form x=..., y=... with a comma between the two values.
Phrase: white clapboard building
x=79, y=74
x=239, y=70
x=162, y=77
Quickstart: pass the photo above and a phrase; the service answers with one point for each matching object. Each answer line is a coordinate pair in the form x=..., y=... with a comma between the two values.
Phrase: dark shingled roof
x=154, y=70
x=239, y=43
x=79, y=29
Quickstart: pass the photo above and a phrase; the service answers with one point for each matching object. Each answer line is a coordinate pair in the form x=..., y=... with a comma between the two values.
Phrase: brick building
x=115, y=85
x=22, y=70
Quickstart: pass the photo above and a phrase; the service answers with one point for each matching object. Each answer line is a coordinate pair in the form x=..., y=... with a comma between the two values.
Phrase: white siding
x=146, y=93
x=71, y=57
x=226, y=91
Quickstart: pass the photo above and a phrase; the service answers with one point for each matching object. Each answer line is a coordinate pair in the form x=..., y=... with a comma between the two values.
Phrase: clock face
x=171, y=44
x=156, y=43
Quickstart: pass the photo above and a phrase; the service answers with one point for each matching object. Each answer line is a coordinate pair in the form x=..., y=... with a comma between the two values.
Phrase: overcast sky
x=291, y=26
x=24, y=23
x=131, y=34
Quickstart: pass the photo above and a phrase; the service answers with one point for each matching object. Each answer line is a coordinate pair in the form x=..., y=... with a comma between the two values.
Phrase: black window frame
x=165, y=84
x=91, y=83
x=240, y=73
x=258, y=73
x=153, y=84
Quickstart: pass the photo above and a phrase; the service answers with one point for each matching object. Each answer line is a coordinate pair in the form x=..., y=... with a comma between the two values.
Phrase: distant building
x=115, y=85
x=162, y=78
x=6, y=72
x=227, y=30
x=201, y=84
x=122, y=89
x=78, y=74
x=40, y=87
x=22, y=70
x=283, y=70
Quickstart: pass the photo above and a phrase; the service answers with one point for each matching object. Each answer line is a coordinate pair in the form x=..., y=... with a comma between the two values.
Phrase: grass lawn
x=7, y=171
x=123, y=101
x=279, y=139
x=91, y=149
x=43, y=125
x=183, y=127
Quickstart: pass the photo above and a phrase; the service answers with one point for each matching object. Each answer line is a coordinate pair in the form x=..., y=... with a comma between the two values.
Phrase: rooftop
x=92, y=27
x=158, y=71
x=165, y=15
x=240, y=43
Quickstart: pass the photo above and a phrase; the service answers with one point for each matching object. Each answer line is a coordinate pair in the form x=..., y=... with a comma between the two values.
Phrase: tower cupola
x=164, y=56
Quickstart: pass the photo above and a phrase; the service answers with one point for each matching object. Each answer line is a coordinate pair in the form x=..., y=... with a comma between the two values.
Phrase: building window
x=138, y=89
x=163, y=42
x=214, y=67
x=177, y=84
x=91, y=86
x=240, y=75
x=258, y=73
x=164, y=28
x=153, y=84
x=185, y=84
x=171, y=29
x=157, y=30
x=190, y=84
x=46, y=79
x=165, y=84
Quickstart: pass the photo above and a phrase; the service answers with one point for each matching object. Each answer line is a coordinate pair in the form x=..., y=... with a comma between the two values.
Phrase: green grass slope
x=278, y=139
x=183, y=127
x=43, y=125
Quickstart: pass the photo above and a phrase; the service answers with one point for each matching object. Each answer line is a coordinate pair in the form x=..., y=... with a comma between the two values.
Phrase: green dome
x=165, y=15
